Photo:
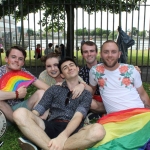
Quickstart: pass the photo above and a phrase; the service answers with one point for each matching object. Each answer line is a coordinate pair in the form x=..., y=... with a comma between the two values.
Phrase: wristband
x=17, y=94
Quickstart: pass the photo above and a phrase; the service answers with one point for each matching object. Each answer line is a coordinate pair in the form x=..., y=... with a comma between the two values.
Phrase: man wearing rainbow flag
x=11, y=100
x=125, y=101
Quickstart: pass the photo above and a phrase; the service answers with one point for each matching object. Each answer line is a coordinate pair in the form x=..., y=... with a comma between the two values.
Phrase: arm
x=94, y=88
x=40, y=85
x=59, y=141
x=4, y=95
x=7, y=95
x=78, y=89
x=144, y=96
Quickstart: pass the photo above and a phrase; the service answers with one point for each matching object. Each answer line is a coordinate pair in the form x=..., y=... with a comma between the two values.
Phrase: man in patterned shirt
x=120, y=84
x=89, y=52
x=64, y=129
x=10, y=101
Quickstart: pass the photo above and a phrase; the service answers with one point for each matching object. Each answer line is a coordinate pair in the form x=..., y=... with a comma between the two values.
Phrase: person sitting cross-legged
x=64, y=129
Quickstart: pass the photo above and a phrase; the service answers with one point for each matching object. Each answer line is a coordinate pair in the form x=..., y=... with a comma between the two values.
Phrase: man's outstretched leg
x=85, y=138
x=33, y=128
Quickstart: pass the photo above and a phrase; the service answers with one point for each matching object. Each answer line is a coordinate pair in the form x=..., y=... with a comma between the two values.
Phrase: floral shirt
x=4, y=71
x=84, y=74
x=118, y=88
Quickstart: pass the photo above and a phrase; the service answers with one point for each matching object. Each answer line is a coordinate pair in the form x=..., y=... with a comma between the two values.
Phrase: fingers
x=76, y=94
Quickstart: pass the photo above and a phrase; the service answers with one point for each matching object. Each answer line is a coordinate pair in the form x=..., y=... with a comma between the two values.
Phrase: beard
x=110, y=65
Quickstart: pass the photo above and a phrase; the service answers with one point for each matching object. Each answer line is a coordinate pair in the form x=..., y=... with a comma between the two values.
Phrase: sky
x=90, y=23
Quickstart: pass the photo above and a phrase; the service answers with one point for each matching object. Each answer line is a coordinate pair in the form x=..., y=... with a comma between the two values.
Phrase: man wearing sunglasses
x=64, y=129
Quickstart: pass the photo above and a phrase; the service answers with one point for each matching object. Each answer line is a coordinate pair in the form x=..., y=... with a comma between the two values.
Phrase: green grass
x=12, y=133
x=135, y=57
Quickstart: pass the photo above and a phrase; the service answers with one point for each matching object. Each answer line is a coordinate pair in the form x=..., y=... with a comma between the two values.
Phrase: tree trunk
x=70, y=30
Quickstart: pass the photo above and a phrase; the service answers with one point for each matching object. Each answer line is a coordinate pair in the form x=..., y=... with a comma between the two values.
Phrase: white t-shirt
x=118, y=87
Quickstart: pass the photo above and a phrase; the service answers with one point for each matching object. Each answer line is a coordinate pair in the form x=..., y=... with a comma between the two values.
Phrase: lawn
x=12, y=133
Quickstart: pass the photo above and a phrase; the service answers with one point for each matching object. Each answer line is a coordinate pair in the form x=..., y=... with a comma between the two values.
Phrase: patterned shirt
x=84, y=74
x=54, y=98
x=3, y=71
x=118, y=88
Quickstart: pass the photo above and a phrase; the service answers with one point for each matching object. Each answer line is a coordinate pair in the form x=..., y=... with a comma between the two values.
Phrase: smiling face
x=52, y=67
x=15, y=60
x=69, y=69
x=89, y=54
x=110, y=54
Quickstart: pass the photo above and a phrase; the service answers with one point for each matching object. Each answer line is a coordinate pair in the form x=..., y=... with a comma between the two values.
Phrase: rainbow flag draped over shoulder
x=125, y=130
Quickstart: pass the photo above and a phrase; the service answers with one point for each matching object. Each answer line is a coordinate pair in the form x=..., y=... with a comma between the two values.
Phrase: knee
x=20, y=116
x=2, y=104
x=39, y=94
x=97, y=132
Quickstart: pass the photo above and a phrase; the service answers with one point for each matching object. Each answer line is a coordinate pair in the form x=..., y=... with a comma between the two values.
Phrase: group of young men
x=119, y=85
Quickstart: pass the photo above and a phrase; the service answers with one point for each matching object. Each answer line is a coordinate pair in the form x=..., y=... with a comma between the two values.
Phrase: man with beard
x=120, y=85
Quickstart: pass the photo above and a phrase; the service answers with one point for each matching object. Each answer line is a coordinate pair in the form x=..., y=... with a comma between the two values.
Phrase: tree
x=142, y=33
x=134, y=31
x=57, y=10
x=81, y=32
x=30, y=32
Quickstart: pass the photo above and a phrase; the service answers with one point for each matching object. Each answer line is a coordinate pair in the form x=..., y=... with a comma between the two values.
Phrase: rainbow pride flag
x=125, y=130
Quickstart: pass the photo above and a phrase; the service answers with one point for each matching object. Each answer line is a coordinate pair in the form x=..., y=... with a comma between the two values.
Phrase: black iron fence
x=28, y=23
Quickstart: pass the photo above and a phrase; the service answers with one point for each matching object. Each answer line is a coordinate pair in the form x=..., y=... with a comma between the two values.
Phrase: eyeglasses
x=68, y=98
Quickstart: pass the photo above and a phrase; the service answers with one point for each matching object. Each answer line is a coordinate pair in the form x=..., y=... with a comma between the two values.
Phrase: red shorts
x=98, y=98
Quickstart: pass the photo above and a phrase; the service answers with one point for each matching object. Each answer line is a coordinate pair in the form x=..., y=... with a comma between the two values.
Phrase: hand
x=56, y=143
x=78, y=89
x=138, y=69
x=22, y=91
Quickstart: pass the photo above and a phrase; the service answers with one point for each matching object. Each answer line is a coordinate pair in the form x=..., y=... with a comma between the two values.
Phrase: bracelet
x=82, y=83
x=17, y=94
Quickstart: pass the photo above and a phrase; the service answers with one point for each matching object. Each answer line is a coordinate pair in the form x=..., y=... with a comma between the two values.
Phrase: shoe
x=91, y=118
x=26, y=144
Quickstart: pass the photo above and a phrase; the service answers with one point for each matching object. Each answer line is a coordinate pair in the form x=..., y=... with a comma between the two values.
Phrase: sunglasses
x=67, y=101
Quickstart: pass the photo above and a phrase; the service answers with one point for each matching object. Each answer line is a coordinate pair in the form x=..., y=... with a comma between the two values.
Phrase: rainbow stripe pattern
x=125, y=130
x=13, y=80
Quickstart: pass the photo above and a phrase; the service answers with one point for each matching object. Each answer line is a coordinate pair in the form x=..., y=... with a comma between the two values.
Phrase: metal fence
x=28, y=23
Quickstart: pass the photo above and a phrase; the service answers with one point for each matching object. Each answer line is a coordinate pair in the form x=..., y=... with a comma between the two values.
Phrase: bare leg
x=33, y=101
x=97, y=107
x=86, y=137
x=7, y=110
x=35, y=98
x=32, y=127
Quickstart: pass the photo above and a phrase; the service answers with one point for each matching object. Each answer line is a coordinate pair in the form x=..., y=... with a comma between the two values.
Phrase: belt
x=61, y=120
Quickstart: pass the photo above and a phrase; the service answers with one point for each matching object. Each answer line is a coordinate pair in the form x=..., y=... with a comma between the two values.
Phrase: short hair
x=64, y=60
x=109, y=41
x=19, y=48
x=50, y=44
x=50, y=55
x=89, y=43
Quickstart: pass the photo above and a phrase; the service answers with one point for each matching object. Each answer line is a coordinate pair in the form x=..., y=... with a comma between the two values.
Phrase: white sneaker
x=26, y=144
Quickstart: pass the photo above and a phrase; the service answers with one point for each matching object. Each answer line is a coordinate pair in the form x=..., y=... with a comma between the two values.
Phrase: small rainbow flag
x=11, y=81
x=125, y=130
